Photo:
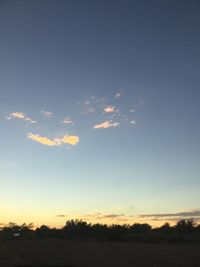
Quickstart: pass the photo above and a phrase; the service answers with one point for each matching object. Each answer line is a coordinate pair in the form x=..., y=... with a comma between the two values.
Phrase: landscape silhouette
x=81, y=244
x=184, y=231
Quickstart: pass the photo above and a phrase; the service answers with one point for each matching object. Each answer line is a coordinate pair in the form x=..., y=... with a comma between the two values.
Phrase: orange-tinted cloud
x=109, y=109
x=106, y=124
x=20, y=115
x=70, y=139
x=66, y=139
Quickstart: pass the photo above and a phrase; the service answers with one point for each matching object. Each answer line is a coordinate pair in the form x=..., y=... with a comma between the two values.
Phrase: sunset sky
x=99, y=111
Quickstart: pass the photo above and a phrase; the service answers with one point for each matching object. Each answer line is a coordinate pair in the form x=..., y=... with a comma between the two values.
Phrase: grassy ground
x=91, y=254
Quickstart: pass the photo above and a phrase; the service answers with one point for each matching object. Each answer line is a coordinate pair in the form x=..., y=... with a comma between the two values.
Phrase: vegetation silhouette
x=185, y=231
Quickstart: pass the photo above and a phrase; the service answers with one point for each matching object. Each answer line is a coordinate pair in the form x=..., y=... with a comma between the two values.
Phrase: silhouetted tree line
x=183, y=231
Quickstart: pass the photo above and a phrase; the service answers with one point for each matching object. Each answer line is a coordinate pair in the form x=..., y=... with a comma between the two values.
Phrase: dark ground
x=100, y=254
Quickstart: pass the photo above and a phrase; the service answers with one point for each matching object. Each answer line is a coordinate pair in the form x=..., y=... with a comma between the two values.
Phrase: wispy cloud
x=117, y=95
x=47, y=114
x=67, y=121
x=20, y=115
x=111, y=216
x=101, y=217
x=109, y=109
x=61, y=215
x=106, y=124
x=174, y=219
x=88, y=106
x=194, y=213
x=106, y=110
x=66, y=139
x=11, y=164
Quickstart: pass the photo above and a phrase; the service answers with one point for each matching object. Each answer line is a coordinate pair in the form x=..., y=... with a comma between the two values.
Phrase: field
x=101, y=254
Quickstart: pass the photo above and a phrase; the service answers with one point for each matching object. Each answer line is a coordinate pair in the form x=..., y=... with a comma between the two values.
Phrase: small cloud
x=20, y=115
x=109, y=109
x=91, y=109
x=106, y=124
x=41, y=139
x=115, y=124
x=132, y=122
x=88, y=106
x=66, y=139
x=67, y=121
x=141, y=101
x=11, y=164
x=111, y=216
x=132, y=110
x=117, y=95
x=47, y=114
x=61, y=215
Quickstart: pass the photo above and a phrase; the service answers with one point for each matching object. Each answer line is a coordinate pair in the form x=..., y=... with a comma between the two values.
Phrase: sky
x=99, y=111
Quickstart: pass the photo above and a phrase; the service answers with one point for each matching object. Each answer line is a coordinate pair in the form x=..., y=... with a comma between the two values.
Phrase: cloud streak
x=66, y=139
x=195, y=213
x=106, y=124
x=111, y=216
x=67, y=121
x=21, y=116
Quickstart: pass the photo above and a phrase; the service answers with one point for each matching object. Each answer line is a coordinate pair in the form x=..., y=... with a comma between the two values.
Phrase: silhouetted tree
x=43, y=231
x=165, y=228
x=76, y=229
x=185, y=226
x=183, y=231
x=140, y=228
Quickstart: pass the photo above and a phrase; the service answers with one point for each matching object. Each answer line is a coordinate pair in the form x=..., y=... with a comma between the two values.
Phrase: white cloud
x=106, y=124
x=117, y=95
x=47, y=114
x=91, y=109
x=132, y=122
x=66, y=139
x=67, y=121
x=20, y=115
x=115, y=124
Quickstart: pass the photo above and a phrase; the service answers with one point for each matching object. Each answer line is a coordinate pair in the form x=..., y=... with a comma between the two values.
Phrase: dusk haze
x=99, y=112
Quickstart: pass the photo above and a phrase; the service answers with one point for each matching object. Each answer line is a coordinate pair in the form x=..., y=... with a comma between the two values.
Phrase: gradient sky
x=99, y=110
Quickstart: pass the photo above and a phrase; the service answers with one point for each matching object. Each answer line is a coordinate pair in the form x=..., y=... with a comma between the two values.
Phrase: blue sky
x=99, y=110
